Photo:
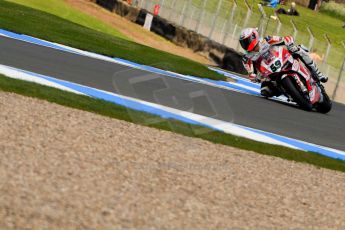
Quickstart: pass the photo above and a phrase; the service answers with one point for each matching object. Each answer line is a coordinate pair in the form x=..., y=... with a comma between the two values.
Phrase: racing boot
x=316, y=72
x=268, y=89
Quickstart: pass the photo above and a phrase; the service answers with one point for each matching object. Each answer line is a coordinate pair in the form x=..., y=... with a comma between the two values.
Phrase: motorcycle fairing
x=278, y=59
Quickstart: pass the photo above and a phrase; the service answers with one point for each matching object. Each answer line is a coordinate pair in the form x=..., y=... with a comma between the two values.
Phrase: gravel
x=65, y=168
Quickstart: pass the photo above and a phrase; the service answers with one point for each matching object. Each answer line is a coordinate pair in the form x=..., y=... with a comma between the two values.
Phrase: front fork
x=300, y=85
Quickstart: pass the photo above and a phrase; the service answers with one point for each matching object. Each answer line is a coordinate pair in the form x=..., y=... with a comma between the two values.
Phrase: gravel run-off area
x=62, y=168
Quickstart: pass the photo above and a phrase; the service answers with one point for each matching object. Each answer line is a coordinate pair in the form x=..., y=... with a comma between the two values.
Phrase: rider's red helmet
x=249, y=39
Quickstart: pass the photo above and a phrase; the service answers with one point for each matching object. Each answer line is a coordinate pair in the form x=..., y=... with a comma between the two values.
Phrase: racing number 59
x=274, y=67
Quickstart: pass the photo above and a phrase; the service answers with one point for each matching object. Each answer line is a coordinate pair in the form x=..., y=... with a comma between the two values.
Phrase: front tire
x=326, y=105
x=290, y=87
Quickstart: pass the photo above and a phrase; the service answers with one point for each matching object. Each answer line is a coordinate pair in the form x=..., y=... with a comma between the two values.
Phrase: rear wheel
x=291, y=88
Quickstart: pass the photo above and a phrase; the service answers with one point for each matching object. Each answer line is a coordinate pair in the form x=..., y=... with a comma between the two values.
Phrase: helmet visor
x=249, y=43
x=245, y=43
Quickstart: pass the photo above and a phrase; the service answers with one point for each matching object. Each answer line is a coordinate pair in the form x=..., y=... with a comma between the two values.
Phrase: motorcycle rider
x=251, y=42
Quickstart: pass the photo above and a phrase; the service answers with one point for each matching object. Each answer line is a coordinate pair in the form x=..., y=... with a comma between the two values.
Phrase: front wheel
x=291, y=88
x=326, y=105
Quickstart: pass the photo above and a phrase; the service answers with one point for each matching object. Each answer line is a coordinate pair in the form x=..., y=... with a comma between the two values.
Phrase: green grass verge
x=115, y=111
x=333, y=9
x=63, y=10
x=22, y=19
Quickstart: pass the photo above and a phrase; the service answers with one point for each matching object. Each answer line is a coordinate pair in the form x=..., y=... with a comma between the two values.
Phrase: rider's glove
x=292, y=48
x=253, y=77
x=289, y=42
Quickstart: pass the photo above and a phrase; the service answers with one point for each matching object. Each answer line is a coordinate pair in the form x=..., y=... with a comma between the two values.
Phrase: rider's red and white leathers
x=299, y=51
x=250, y=57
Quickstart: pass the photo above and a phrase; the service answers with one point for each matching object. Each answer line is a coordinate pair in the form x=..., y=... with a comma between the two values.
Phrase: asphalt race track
x=327, y=130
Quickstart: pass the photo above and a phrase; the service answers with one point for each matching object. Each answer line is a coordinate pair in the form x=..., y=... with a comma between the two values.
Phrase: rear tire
x=326, y=105
x=290, y=87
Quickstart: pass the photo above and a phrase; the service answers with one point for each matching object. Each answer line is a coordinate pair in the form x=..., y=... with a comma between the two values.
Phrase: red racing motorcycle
x=292, y=78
